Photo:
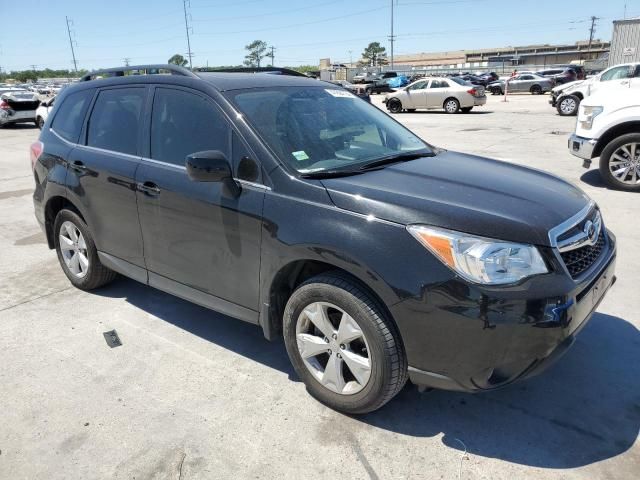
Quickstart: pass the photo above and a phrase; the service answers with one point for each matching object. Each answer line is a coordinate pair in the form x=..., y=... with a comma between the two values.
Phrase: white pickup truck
x=567, y=97
x=608, y=127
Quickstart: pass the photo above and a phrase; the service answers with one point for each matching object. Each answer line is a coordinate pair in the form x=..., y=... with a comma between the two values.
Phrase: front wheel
x=77, y=252
x=394, y=105
x=39, y=122
x=451, y=105
x=568, y=106
x=535, y=90
x=620, y=163
x=342, y=345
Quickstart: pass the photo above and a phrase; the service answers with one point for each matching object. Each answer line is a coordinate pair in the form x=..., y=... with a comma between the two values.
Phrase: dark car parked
x=291, y=204
x=355, y=89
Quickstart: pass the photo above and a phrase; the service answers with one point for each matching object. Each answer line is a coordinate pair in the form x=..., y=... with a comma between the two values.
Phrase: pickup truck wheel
x=39, y=122
x=535, y=90
x=342, y=345
x=620, y=163
x=394, y=105
x=568, y=106
x=451, y=105
x=77, y=252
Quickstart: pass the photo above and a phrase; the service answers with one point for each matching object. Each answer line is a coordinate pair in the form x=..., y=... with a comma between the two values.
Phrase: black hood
x=463, y=192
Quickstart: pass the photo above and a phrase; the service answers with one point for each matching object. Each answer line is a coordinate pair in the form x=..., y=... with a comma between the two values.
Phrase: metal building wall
x=625, y=44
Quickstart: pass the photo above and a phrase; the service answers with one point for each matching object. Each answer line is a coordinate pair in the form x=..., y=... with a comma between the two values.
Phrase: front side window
x=315, y=129
x=617, y=73
x=70, y=114
x=418, y=86
x=115, y=120
x=183, y=123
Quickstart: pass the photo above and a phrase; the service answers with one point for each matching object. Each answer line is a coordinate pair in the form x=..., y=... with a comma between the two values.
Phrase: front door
x=198, y=234
x=417, y=95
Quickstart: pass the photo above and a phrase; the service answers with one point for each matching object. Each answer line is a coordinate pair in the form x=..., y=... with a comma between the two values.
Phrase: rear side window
x=115, y=120
x=70, y=115
x=183, y=123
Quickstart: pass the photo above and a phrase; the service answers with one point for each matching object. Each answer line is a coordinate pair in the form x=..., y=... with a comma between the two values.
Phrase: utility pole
x=351, y=58
x=272, y=55
x=73, y=53
x=392, y=38
x=592, y=31
x=126, y=61
x=186, y=26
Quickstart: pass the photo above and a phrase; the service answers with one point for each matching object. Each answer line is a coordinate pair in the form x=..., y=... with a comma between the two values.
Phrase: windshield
x=323, y=129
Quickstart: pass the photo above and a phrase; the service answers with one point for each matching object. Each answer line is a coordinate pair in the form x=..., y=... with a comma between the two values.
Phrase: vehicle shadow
x=584, y=409
x=442, y=112
x=592, y=177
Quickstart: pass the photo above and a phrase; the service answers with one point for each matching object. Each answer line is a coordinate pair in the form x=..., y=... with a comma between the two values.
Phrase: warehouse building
x=625, y=42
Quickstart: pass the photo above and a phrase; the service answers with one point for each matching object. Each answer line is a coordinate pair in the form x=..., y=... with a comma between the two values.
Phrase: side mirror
x=208, y=166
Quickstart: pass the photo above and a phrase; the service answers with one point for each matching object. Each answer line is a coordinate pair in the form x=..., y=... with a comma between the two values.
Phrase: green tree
x=374, y=55
x=256, y=50
x=178, y=59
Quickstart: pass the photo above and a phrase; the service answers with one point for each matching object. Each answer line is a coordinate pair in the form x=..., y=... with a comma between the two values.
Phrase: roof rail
x=272, y=70
x=146, y=69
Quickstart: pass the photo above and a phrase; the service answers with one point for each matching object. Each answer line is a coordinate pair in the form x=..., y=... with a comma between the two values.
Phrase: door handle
x=78, y=165
x=149, y=188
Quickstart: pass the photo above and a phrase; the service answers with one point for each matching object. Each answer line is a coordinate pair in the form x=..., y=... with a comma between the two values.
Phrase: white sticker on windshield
x=300, y=155
x=338, y=93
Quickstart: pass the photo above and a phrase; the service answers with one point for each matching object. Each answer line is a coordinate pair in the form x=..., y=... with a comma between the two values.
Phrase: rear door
x=199, y=235
x=101, y=172
x=437, y=92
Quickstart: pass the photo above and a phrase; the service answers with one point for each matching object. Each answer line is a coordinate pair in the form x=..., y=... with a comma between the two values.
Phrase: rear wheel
x=77, y=252
x=451, y=105
x=39, y=122
x=466, y=109
x=394, y=105
x=342, y=345
x=568, y=106
x=620, y=163
x=535, y=90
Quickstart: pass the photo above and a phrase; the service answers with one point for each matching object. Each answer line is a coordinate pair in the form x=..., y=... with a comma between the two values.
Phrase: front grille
x=579, y=260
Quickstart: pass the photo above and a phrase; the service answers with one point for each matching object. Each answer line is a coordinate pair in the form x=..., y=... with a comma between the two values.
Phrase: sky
x=302, y=31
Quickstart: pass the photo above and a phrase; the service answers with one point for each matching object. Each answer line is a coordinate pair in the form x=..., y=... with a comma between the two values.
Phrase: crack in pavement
x=34, y=299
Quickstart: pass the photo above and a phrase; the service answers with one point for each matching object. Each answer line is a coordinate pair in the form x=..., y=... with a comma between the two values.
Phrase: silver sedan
x=525, y=82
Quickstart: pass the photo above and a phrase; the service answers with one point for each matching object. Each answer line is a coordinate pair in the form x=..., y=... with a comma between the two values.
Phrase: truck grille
x=579, y=260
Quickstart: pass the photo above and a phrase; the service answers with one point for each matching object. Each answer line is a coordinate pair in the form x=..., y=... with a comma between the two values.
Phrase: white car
x=608, y=127
x=567, y=97
x=42, y=112
x=449, y=93
x=17, y=106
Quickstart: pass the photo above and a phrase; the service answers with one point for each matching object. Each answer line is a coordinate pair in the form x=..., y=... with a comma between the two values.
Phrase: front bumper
x=582, y=147
x=459, y=338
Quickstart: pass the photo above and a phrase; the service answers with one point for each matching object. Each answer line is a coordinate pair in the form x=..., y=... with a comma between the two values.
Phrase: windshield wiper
x=330, y=173
x=400, y=157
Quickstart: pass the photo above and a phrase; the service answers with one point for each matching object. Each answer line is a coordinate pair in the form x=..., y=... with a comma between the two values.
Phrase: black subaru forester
x=292, y=204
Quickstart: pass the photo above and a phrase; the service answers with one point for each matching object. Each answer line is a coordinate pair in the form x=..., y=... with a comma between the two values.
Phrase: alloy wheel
x=624, y=164
x=74, y=249
x=451, y=106
x=568, y=106
x=333, y=347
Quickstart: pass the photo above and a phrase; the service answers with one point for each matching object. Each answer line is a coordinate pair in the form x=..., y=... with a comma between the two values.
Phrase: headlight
x=481, y=260
x=587, y=116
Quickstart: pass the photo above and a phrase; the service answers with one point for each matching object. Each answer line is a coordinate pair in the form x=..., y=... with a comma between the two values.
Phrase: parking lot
x=194, y=394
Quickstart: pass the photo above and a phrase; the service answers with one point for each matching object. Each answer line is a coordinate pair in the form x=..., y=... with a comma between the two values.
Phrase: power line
x=186, y=26
x=126, y=61
x=272, y=55
x=73, y=53
x=392, y=38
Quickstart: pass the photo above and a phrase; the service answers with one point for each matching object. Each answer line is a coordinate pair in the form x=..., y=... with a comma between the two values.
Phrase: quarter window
x=115, y=120
x=183, y=123
x=70, y=115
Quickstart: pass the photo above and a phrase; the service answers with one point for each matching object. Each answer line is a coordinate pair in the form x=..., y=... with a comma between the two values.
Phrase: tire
x=536, y=90
x=39, y=122
x=330, y=296
x=618, y=149
x=567, y=106
x=90, y=274
x=466, y=109
x=394, y=105
x=368, y=91
x=451, y=105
